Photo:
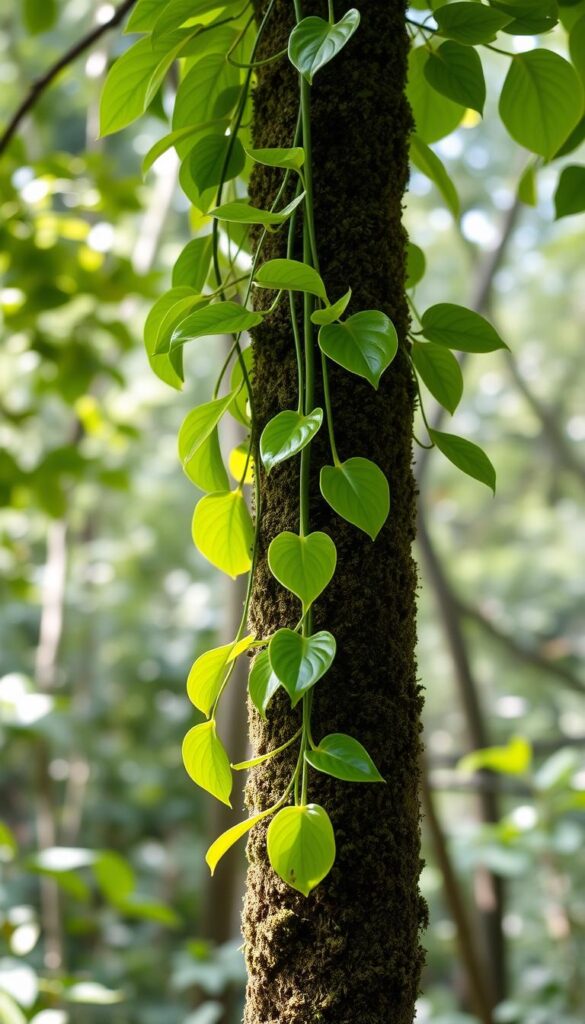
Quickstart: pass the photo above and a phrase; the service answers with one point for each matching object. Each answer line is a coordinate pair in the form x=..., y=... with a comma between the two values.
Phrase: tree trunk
x=349, y=953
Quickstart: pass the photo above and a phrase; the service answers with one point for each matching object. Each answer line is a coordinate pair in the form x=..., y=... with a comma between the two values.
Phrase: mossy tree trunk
x=350, y=953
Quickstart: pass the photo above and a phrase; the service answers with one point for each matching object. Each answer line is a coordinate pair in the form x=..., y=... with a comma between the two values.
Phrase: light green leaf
x=415, y=264
x=304, y=565
x=513, y=759
x=207, y=160
x=241, y=212
x=541, y=101
x=160, y=363
x=262, y=683
x=428, y=163
x=175, y=138
x=239, y=410
x=207, y=676
x=455, y=71
x=290, y=275
x=459, y=328
x=300, y=661
x=365, y=343
x=143, y=16
x=344, y=758
x=224, y=842
x=301, y=846
x=192, y=266
x=134, y=78
x=289, y=159
x=223, y=531
x=288, y=433
x=206, y=761
x=570, y=193
x=314, y=42
x=114, y=875
x=176, y=13
x=10, y=1012
x=435, y=116
x=470, y=23
x=468, y=457
x=358, y=491
x=439, y=370
x=331, y=313
x=201, y=88
x=199, y=449
x=526, y=190
x=218, y=318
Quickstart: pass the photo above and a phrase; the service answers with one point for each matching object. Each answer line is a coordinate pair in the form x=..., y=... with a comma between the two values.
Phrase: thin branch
x=40, y=85
x=529, y=655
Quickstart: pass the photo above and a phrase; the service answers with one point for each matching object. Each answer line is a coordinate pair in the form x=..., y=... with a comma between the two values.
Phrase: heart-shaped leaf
x=209, y=671
x=440, y=371
x=468, y=457
x=223, y=531
x=331, y=313
x=301, y=846
x=358, y=491
x=365, y=343
x=219, y=318
x=459, y=328
x=199, y=450
x=207, y=762
x=290, y=275
x=314, y=42
x=286, y=435
x=344, y=758
x=288, y=159
x=304, y=565
x=300, y=661
x=541, y=100
x=262, y=683
x=455, y=71
x=415, y=265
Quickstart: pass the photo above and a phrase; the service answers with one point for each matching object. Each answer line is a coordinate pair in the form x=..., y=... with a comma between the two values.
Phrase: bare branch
x=41, y=84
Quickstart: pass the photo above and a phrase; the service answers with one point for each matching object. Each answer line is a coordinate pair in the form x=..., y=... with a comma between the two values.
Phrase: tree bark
x=350, y=952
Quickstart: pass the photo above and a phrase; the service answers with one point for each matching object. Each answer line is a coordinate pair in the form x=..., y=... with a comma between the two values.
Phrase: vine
x=217, y=51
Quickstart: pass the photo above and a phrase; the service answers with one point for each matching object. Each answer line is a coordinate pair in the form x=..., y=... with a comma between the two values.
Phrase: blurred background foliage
x=106, y=910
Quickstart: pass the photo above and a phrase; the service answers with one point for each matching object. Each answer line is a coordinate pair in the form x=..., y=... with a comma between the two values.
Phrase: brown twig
x=40, y=85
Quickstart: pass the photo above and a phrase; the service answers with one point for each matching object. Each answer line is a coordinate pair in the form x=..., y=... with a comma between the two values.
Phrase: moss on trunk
x=349, y=954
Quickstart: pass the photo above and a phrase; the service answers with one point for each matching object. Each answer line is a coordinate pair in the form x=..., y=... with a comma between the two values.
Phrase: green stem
x=242, y=765
x=331, y=12
x=257, y=63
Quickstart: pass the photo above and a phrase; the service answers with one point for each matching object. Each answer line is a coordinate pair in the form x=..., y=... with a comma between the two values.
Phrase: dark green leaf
x=459, y=328
x=439, y=370
x=468, y=457
x=455, y=71
x=470, y=23
x=570, y=193
x=541, y=101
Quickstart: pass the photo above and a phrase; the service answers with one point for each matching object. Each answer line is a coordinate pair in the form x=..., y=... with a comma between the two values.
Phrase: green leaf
x=301, y=846
x=304, y=565
x=541, y=101
x=223, y=531
x=331, y=313
x=314, y=42
x=574, y=139
x=290, y=275
x=429, y=164
x=199, y=449
x=39, y=15
x=207, y=160
x=365, y=344
x=180, y=308
x=160, y=363
x=134, y=78
x=455, y=71
x=175, y=13
x=206, y=761
x=143, y=17
x=239, y=409
x=114, y=876
x=288, y=433
x=207, y=676
x=201, y=89
x=344, y=758
x=439, y=370
x=468, y=457
x=224, y=842
x=570, y=193
x=289, y=159
x=176, y=138
x=415, y=264
x=513, y=759
x=470, y=23
x=435, y=116
x=526, y=190
x=459, y=328
x=300, y=661
x=358, y=491
x=577, y=46
x=241, y=212
x=219, y=318
x=262, y=683
x=10, y=1012
x=192, y=266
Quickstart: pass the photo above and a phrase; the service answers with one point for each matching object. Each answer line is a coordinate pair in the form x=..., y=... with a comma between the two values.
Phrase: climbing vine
x=214, y=279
